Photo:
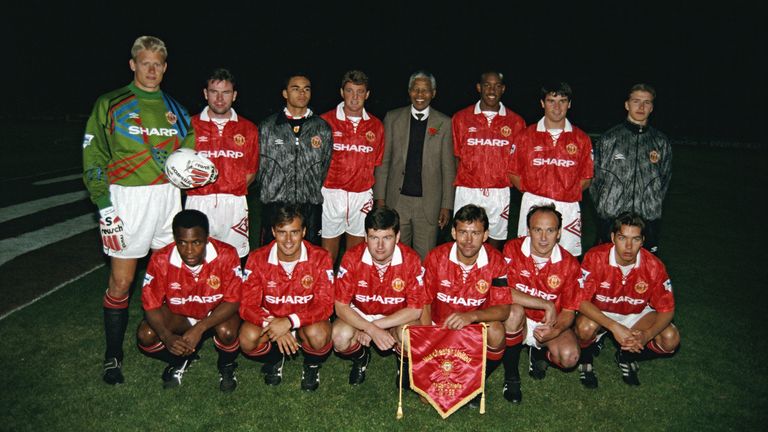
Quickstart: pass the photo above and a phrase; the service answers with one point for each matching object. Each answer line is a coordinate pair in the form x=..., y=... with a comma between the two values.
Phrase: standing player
x=633, y=168
x=232, y=143
x=358, y=146
x=545, y=281
x=482, y=135
x=552, y=162
x=628, y=293
x=379, y=289
x=295, y=153
x=191, y=287
x=288, y=300
x=466, y=283
x=129, y=134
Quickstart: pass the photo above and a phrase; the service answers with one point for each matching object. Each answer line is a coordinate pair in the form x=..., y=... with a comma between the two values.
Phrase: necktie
x=419, y=116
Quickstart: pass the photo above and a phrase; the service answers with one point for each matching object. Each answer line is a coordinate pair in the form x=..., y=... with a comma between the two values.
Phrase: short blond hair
x=149, y=43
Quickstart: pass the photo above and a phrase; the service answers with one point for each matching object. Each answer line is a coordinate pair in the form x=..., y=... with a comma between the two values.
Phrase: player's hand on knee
x=363, y=338
x=112, y=229
x=287, y=344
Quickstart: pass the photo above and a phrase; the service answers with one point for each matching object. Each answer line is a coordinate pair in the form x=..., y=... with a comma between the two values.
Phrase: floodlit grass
x=714, y=247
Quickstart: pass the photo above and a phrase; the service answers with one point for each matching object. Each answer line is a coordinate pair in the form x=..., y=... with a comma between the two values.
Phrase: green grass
x=713, y=244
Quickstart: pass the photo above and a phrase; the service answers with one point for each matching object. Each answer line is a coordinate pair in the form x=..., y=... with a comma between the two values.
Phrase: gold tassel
x=399, y=414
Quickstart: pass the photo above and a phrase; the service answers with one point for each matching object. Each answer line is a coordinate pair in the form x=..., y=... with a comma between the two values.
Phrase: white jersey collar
x=502, y=110
x=397, y=257
x=612, y=258
x=341, y=116
x=204, y=116
x=482, y=257
x=541, y=128
x=273, y=254
x=210, y=255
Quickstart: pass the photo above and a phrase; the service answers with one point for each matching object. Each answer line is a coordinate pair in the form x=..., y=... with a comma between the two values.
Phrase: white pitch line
x=30, y=207
x=12, y=247
x=45, y=294
x=58, y=179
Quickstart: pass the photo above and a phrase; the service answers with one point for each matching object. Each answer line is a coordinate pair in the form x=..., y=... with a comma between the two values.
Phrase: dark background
x=706, y=63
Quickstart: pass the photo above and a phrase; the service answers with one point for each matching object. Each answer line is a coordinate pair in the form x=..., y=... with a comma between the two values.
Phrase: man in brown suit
x=417, y=172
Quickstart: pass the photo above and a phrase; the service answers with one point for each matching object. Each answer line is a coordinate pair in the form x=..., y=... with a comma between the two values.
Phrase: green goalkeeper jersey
x=128, y=137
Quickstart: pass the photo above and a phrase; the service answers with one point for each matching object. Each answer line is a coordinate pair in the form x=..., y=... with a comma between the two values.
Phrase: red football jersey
x=170, y=281
x=558, y=281
x=235, y=152
x=484, y=151
x=607, y=288
x=305, y=296
x=485, y=286
x=356, y=150
x=358, y=281
x=553, y=170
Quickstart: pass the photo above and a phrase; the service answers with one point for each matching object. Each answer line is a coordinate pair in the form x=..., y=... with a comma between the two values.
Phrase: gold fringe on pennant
x=485, y=352
x=403, y=336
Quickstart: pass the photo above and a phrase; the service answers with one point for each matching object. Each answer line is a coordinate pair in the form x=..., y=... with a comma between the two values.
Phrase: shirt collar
x=482, y=257
x=210, y=255
x=502, y=110
x=273, y=254
x=204, y=116
x=341, y=116
x=306, y=114
x=612, y=258
x=414, y=111
x=397, y=257
x=541, y=128
x=555, y=258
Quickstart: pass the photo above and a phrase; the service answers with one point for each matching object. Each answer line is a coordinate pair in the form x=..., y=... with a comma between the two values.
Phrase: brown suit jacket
x=438, y=164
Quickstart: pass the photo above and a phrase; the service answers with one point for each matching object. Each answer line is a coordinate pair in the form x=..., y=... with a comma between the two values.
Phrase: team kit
x=351, y=211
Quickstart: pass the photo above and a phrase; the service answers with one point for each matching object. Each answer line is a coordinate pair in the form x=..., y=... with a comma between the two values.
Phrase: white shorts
x=626, y=320
x=570, y=238
x=345, y=212
x=365, y=316
x=147, y=213
x=227, y=218
x=495, y=201
x=530, y=326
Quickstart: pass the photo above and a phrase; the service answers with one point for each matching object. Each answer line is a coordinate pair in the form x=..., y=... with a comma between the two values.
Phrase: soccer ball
x=187, y=169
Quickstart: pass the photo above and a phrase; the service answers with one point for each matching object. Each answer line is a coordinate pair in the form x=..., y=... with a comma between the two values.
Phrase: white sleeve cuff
x=295, y=321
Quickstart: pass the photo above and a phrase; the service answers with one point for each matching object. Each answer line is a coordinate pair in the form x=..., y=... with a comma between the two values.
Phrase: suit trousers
x=415, y=230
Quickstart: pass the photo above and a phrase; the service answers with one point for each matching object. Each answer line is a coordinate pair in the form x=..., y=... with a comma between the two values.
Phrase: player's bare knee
x=514, y=322
x=569, y=356
x=317, y=335
x=496, y=335
x=670, y=338
x=145, y=335
x=342, y=335
x=585, y=328
x=227, y=334
x=249, y=336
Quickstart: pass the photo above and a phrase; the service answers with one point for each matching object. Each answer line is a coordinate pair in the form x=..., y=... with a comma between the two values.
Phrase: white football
x=187, y=169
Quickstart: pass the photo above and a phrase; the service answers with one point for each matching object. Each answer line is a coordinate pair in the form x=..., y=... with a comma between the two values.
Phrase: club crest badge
x=398, y=284
x=654, y=156
x=239, y=139
x=171, y=117
x=571, y=149
x=307, y=281
x=554, y=282
x=482, y=286
x=641, y=287
x=316, y=142
x=370, y=136
x=214, y=282
x=506, y=131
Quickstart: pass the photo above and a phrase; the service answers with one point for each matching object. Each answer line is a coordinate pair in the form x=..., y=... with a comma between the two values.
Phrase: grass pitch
x=52, y=350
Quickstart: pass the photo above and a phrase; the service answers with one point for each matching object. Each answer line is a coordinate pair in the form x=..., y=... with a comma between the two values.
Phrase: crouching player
x=628, y=293
x=379, y=289
x=288, y=300
x=545, y=282
x=191, y=287
x=466, y=282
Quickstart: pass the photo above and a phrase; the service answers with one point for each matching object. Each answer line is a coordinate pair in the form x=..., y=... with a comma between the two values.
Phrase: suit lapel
x=404, y=129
